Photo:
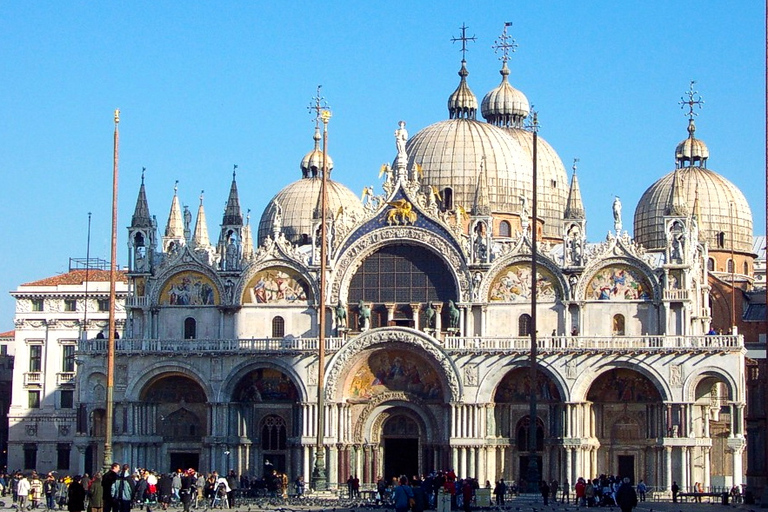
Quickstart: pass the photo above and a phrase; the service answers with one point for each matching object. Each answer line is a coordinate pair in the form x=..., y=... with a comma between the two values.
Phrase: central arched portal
x=400, y=438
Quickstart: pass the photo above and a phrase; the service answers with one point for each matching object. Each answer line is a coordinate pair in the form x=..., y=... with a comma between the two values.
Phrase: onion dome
x=292, y=209
x=462, y=104
x=312, y=163
x=721, y=209
x=691, y=151
x=505, y=106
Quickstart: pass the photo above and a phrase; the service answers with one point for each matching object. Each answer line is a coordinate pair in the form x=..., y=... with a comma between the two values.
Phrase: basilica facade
x=429, y=314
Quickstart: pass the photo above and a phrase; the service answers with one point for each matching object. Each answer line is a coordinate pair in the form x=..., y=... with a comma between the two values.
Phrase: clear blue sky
x=205, y=85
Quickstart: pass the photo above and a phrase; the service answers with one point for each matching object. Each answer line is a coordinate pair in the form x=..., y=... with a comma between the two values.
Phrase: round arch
x=349, y=261
x=490, y=382
x=636, y=269
x=340, y=363
x=208, y=277
x=158, y=370
x=512, y=260
x=240, y=371
x=377, y=411
x=585, y=380
x=699, y=374
x=239, y=288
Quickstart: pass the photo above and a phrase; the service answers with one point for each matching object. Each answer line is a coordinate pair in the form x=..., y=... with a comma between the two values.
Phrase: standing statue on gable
x=617, y=214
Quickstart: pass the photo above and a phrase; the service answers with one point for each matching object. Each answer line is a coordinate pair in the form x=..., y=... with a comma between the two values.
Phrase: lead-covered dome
x=451, y=153
x=722, y=207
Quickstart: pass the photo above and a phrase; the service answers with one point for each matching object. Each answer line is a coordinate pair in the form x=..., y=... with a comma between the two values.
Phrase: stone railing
x=450, y=344
x=33, y=378
x=594, y=343
x=65, y=378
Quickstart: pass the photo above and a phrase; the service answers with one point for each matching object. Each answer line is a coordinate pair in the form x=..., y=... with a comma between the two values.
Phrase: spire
x=676, y=205
x=175, y=226
x=232, y=214
x=141, y=217
x=482, y=204
x=247, y=237
x=574, y=208
x=696, y=208
x=200, y=238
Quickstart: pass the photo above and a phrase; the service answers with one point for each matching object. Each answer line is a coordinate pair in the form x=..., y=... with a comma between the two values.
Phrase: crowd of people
x=119, y=489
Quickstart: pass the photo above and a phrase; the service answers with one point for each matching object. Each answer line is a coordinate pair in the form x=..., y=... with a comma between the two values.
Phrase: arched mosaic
x=265, y=385
x=189, y=289
x=385, y=371
x=618, y=282
x=174, y=389
x=623, y=385
x=515, y=387
x=513, y=284
x=277, y=285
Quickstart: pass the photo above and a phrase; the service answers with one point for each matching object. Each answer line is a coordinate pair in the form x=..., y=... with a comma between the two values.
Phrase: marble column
x=668, y=467
x=415, y=309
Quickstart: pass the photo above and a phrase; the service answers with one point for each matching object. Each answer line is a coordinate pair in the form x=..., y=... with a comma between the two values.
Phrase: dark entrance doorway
x=401, y=457
x=184, y=460
x=523, y=469
x=627, y=467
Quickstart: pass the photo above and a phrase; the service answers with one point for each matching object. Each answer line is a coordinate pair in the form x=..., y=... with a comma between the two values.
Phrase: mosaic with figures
x=394, y=370
x=266, y=385
x=513, y=284
x=189, y=289
x=276, y=286
x=515, y=387
x=622, y=385
x=618, y=282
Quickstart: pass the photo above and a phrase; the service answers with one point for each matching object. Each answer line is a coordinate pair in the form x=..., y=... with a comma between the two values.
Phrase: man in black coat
x=106, y=483
x=626, y=497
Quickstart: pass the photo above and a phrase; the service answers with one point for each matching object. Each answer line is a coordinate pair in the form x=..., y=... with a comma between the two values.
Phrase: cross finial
x=202, y=192
x=532, y=121
x=319, y=108
x=234, y=171
x=694, y=100
x=143, y=170
x=175, y=187
x=463, y=38
x=575, y=161
x=505, y=43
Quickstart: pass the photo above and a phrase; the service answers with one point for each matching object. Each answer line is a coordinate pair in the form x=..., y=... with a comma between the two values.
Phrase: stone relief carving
x=471, y=375
x=394, y=396
x=675, y=375
x=31, y=430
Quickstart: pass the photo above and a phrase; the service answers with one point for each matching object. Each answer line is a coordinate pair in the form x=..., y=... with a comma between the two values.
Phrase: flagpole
x=112, y=297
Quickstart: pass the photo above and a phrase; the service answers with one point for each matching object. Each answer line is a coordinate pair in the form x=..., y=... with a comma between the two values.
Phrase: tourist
x=403, y=495
x=675, y=490
x=544, y=490
x=641, y=490
x=96, y=494
x=76, y=495
x=626, y=497
x=499, y=491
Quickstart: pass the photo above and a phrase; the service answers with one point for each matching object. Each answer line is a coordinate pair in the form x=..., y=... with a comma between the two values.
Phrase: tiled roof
x=8, y=334
x=75, y=277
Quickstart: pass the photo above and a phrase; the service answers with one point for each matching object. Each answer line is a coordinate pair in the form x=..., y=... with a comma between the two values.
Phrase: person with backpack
x=403, y=495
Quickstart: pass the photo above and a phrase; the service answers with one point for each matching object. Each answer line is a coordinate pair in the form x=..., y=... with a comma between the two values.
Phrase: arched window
x=190, y=328
x=746, y=268
x=273, y=433
x=505, y=229
x=618, y=325
x=729, y=266
x=524, y=325
x=278, y=327
x=720, y=239
x=711, y=264
x=448, y=198
x=522, y=434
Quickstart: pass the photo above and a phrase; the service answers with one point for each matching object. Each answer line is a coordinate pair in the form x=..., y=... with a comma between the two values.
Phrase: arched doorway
x=400, y=438
x=180, y=418
x=268, y=416
x=512, y=400
x=628, y=412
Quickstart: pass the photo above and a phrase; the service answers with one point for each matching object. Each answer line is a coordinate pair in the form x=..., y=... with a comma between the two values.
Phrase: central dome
x=450, y=153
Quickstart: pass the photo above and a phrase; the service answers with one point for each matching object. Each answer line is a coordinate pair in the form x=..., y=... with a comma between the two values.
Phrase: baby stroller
x=607, y=498
x=220, y=499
